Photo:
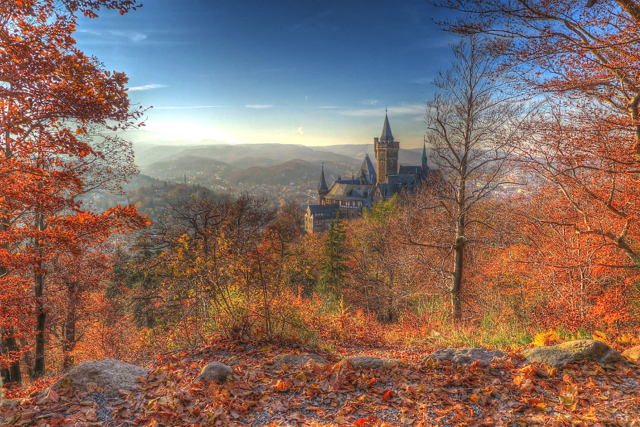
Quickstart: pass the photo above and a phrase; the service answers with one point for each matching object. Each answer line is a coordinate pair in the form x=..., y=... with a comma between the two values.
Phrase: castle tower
x=386, y=152
x=322, y=188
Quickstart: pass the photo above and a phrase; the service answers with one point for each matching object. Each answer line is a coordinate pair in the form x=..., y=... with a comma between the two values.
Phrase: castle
x=349, y=196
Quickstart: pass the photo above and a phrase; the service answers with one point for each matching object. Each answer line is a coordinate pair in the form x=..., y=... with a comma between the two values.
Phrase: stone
x=573, y=351
x=632, y=353
x=296, y=360
x=371, y=362
x=466, y=356
x=105, y=376
x=214, y=371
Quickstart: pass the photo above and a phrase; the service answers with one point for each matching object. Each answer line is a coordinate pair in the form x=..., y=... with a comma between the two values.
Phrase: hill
x=235, y=153
x=298, y=171
x=197, y=169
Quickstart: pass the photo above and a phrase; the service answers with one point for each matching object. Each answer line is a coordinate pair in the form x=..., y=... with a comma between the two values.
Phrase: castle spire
x=424, y=156
x=322, y=188
x=386, y=129
x=323, y=183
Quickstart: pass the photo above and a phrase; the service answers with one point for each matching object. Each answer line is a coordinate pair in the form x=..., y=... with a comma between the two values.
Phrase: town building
x=371, y=185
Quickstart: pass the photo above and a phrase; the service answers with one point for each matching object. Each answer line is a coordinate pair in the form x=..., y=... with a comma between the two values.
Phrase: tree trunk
x=69, y=332
x=12, y=374
x=456, y=286
x=41, y=317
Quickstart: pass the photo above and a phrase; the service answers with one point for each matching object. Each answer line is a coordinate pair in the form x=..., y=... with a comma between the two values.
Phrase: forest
x=527, y=236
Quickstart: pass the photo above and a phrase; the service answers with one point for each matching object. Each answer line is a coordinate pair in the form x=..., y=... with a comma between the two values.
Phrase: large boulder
x=371, y=362
x=105, y=376
x=295, y=360
x=465, y=356
x=214, y=371
x=573, y=351
x=632, y=353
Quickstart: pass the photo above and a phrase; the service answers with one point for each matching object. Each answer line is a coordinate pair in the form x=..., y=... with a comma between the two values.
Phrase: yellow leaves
x=66, y=382
x=474, y=398
x=567, y=401
x=626, y=339
x=547, y=338
x=600, y=336
x=488, y=391
x=301, y=377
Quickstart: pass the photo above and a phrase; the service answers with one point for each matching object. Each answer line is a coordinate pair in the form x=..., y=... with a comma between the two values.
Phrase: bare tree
x=472, y=123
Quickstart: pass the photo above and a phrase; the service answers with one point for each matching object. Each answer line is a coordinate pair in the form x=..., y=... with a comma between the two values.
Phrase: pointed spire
x=386, y=130
x=424, y=155
x=323, y=183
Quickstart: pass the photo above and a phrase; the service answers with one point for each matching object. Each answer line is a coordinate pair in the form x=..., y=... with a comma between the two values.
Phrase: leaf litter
x=414, y=393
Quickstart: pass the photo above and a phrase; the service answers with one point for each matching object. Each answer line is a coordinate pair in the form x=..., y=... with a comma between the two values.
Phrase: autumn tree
x=52, y=95
x=223, y=265
x=587, y=145
x=473, y=122
x=380, y=277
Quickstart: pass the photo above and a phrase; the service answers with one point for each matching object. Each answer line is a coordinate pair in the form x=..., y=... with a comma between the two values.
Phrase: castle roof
x=410, y=170
x=386, y=129
x=367, y=172
x=323, y=210
x=348, y=192
x=396, y=183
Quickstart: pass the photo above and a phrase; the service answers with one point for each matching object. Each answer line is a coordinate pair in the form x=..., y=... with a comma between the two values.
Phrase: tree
x=334, y=269
x=473, y=122
x=52, y=95
x=380, y=279
x=588, y=144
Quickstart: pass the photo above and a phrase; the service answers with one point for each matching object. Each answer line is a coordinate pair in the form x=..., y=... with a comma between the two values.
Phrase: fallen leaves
x=424, y=394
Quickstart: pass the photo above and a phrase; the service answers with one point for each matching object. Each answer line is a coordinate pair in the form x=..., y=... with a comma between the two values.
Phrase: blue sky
x=312, y=72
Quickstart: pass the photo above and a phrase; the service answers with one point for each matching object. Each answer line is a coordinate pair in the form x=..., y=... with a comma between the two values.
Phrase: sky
x=310, y=72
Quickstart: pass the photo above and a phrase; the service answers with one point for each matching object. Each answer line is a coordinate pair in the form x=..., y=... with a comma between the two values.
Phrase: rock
x=632, y=353
x=573, y=351
x=296, y=360
x=214, y=371
x=107, y=375
x=370, y=362
x=466, y=356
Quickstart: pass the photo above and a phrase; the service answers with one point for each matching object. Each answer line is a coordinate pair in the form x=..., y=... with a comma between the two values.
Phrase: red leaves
x=389, y=394
x=366, y=421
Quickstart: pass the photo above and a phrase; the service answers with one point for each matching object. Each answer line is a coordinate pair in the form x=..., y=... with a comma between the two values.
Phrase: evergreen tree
x=334, y=269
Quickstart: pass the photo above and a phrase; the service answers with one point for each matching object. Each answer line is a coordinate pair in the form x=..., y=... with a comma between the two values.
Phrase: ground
x=418, y=392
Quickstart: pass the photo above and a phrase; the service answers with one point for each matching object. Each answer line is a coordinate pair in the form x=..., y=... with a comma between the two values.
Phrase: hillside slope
x=200, y=169
x=298, y=171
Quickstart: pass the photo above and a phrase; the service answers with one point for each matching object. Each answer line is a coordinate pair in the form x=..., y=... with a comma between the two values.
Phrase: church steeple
x=322, y=187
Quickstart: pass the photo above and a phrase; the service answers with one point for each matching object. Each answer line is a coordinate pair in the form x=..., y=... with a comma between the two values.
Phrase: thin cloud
x=259, y=106
x=405, y=110
x=146, y=87
x=300, y=131
x=133, y=36
x=189, y=108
